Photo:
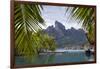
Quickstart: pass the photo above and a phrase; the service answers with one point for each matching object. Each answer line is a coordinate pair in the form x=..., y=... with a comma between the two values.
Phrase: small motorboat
x=88, y=52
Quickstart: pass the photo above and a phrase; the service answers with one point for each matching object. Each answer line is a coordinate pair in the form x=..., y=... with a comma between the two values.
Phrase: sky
x=58, y=13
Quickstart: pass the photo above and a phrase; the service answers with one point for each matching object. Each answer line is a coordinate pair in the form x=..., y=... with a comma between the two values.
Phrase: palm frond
x=85, y=15
x=27, y=20
x=29, y=39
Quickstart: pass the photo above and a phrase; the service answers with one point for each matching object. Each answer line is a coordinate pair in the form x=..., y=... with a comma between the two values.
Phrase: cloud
x=53, y=13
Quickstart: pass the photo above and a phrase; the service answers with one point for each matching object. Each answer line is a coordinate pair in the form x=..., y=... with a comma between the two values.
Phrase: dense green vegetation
x=43, y=42
x=28, y=38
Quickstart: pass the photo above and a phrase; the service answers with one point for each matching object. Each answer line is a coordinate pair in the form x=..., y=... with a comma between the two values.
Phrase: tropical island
x=39, y=30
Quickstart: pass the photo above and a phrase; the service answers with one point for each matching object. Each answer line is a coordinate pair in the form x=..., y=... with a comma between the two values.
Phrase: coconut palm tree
x=86, y=16
x=27, y=20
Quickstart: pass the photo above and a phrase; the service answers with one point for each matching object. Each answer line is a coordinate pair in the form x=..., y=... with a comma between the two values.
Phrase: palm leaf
x=27, y=20
x=85, y=15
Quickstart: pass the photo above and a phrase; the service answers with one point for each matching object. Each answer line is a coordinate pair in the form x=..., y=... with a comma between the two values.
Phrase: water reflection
x=56, y=58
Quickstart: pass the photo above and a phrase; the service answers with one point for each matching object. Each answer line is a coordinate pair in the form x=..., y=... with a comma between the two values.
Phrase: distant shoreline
x=64, y=50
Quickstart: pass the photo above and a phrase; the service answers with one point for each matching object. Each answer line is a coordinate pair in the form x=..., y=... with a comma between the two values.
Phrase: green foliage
x=28, y=20
x=86, y=16
x=91, y=34
x=43, y=41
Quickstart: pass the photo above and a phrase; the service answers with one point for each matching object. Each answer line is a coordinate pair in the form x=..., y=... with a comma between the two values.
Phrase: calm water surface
x=55, y=58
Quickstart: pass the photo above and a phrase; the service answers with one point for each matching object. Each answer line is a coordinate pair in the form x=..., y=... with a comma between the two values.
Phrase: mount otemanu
x=69, y=37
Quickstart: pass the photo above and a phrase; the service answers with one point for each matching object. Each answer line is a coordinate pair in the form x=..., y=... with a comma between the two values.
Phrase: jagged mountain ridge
x=64, y=37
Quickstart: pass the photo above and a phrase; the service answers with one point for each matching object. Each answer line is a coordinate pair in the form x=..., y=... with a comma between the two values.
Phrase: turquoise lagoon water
x=47, y=58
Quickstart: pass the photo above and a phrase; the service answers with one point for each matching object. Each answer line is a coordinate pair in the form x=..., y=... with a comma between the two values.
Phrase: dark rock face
x=65, y=37
x=60, y=28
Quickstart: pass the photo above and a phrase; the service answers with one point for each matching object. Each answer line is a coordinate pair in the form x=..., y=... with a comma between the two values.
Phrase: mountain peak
x=57, y=22
x=73, y=29
x=51, y=26
x=59, y=25
x=64, y=37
